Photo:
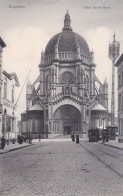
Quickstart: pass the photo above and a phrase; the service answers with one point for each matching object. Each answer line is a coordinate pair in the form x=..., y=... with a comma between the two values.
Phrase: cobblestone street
x=61, y=169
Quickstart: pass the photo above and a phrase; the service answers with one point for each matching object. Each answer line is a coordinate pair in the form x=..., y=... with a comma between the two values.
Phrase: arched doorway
x=67, y=120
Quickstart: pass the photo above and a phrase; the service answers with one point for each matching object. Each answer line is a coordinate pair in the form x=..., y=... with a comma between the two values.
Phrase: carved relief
x=67, y=90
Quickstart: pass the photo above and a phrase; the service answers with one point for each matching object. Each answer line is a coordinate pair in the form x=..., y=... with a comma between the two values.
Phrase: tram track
x=102, y=161
x=107, y=153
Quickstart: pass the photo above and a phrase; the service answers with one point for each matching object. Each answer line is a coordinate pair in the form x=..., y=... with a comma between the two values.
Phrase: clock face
x=67, y=77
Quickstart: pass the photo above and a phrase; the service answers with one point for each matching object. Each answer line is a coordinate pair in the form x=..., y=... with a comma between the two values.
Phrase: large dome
x=67, y=45
x=67, y=42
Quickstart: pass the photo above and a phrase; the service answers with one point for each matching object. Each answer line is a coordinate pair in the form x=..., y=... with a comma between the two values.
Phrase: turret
x=28, y=87
x=105, y=93
x=67, y=22
x=42, y=58
x=92, y=57
x=28, y=94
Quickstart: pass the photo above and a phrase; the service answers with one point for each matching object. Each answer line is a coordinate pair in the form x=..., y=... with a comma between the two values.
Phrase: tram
x=113, y=130
x=107, y=134
x=94, y=135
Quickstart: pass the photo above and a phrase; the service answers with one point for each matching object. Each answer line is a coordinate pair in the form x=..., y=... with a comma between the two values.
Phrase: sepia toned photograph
x=61, y=98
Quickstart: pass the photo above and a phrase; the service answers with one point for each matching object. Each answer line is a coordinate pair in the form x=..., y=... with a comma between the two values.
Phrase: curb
x=113, y=146
x=15, y=149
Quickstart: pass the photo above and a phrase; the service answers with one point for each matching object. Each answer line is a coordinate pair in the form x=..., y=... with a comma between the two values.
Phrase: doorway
x=67, y=130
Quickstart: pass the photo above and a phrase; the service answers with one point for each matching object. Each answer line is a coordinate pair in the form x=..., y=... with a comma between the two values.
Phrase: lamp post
x=114, y=50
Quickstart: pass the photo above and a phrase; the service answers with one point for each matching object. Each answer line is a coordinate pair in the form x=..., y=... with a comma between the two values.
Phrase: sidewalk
x=115, y=144
x=12, y=147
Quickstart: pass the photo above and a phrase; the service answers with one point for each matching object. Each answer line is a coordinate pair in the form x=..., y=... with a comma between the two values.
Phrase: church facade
x=66, y=88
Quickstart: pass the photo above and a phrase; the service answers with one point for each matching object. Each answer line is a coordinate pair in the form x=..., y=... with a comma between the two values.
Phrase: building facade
x=67, y=86
x=2, y=45
x=119, y=65
x=8, y=108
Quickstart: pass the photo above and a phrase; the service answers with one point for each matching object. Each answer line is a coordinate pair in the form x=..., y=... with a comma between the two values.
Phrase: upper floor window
x=119, y=101
x=5, y=89
x=13, y=94
x=119, y=81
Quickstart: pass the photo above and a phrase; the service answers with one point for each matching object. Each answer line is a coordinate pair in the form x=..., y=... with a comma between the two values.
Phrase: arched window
x=48, y=82
x=87, y=82
x=62, y=55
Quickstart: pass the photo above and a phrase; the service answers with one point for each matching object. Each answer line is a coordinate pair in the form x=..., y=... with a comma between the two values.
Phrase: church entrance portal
x=67, y=120
x=67, y=130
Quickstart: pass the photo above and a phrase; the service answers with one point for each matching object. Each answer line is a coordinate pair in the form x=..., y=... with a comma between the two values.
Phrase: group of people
x=22, y=139
x=73, y=138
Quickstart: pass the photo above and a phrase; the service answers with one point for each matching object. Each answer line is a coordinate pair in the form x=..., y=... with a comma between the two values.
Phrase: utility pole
x=114, y=50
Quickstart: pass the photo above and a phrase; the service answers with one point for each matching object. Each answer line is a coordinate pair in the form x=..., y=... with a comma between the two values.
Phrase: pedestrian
x=3, y=141
x=103, y=136
x=39, y=138
x=13, y=141
x=30, y=139
x=77, y=139
x=73, y=137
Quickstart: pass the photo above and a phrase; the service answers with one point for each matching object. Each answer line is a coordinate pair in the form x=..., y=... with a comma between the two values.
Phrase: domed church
x=66, y=88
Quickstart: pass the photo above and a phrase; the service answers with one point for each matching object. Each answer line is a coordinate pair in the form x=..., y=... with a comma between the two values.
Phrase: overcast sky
x=27, y=30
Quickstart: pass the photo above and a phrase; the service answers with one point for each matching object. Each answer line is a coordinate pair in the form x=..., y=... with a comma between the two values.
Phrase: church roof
x=67, y=40
x=97, y=107
x=36, y=107
x=2, y=43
